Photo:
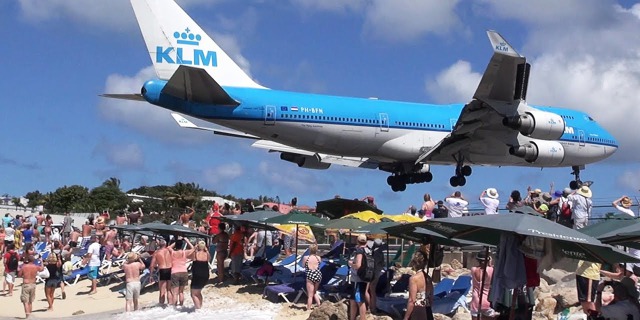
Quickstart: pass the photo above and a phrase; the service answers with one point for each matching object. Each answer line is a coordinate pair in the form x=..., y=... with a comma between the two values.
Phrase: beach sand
x=224, y=301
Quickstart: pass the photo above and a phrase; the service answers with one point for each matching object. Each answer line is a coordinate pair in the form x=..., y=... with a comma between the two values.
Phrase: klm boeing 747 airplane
x=496, y=128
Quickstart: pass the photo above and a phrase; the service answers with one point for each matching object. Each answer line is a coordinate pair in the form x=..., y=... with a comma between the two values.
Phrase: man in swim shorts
x=132, y=277
x=162, y=261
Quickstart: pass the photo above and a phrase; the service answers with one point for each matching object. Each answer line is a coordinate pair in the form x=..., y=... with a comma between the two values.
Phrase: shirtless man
x=109, y=240
x=28, y=272
x=135, y=216
x=40, y=218
x=132, y=277
x=162, y=260
x=75, y=234
x=121, y=219
x=86, y=228
x=186, y=216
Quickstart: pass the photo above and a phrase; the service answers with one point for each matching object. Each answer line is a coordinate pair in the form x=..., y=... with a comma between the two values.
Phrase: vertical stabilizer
x=174, y=39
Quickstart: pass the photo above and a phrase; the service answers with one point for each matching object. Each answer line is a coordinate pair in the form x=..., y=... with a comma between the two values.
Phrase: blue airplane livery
x=497, y=127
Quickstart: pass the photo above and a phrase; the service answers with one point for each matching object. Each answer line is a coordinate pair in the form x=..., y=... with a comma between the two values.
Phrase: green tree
x=35, y=198
x=108, y=196
x=183, y=194
x=16, y=202
x=70, y=199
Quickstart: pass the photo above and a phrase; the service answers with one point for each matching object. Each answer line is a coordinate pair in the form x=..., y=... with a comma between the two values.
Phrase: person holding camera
x=625, y=300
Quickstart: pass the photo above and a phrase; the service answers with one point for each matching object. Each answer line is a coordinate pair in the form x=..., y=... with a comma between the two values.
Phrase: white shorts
x=133, y=290
x=10, y=277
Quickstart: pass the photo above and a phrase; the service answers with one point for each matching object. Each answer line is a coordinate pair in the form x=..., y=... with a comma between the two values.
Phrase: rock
x=546, y=307
x=455, y=264
x=79, y=312
x=438, y=316
x=461, y=315
x=554, y=275
x=544, y=286
x=329, y=311
x=566, y=297
x=373, y=317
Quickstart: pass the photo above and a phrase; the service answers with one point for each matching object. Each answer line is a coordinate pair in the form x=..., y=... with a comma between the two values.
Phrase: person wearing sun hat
x=490, y=201
x=581, y=205
x=623, y=204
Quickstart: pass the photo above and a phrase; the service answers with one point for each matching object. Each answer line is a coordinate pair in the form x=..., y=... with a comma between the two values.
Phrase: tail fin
x=174, y=39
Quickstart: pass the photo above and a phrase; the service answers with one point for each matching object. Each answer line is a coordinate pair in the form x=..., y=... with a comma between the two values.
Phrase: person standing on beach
x=28, y=272
x=132, y=277
x=581, y=205
x=186, y=216
x=222, y=250
x=135, y=216
x=179, y=275
x=456, y=205
x=587, y=278
x=162, y=260
x=67, y=227
x=199, y=272
x=360, y=288
x=10, y=259
x=93, y=254
x=54, y=266
x=236, y=251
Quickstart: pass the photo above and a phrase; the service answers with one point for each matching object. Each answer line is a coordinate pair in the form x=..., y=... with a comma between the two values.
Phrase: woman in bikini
x=222, y=250
x=48, y=221
x=420, y=291
x=199, y=272
x=313, y=274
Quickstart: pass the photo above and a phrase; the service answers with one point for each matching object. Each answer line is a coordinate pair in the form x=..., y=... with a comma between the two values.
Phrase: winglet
x=183, y=122
x=500, y=45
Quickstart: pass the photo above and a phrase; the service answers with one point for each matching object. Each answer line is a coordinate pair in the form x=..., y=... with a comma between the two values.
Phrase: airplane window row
x=416, y=124
x=600, y=140
x=312, y=117
x=566, y=117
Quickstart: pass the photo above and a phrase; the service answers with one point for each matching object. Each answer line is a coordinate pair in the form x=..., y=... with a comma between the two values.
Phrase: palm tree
x=112, y=183
x=16, y=202
x=183, y=194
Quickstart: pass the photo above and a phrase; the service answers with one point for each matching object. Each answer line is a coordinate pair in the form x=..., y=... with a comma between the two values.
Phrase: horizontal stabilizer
x=196, y=85
x=124, y=96
x=185, y=123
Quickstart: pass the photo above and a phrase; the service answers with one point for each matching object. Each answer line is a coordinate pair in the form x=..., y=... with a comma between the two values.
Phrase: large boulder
x=545, y=308
x=438, y=316
x=566, y=297
x=329, y=311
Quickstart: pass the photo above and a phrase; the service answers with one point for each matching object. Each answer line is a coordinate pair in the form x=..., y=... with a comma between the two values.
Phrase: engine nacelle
x=308, y=162
x=537, y=124
x=540, y=152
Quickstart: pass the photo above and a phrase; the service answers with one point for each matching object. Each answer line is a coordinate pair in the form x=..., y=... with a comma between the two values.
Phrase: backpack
x=12, y=263
x=565, y=210
x=366, y=272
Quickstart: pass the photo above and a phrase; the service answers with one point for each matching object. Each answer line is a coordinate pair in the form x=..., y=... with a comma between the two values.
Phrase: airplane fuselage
x=388, y=131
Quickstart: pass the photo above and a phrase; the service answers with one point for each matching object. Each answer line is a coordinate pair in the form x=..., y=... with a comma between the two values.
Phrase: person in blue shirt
x=6, y=220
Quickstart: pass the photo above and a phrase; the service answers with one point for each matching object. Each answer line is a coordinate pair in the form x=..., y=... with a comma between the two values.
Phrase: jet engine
x=537, y=124
x=540, y=152
x=308, y=162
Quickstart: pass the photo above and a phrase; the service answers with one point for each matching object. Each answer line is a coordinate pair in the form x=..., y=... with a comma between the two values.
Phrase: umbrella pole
x=388, y=279
x=484, y=276
x=514, y=301
x=295, y=267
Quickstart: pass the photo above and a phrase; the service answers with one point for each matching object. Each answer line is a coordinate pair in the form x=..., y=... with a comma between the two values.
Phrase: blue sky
x=59, y=57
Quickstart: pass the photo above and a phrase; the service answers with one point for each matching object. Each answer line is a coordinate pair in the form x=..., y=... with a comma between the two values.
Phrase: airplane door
x=453, y=122
x=384, y=122
x=269, y=115
x=581, y=138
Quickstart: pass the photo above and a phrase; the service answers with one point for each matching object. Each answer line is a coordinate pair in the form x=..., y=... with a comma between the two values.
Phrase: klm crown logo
x=190, y=56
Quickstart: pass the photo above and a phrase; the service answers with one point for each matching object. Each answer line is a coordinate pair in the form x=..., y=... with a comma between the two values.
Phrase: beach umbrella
x=174, y=229
x=297, y=218
x=489, y=229
x=346, y=223
x=256, y=216
x=609, y=226
x=338, y=207
x=402, y=218
x=367, y=215
x=304, y=232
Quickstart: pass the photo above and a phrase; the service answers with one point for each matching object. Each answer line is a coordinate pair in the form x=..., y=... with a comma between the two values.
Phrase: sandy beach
x=220, y=302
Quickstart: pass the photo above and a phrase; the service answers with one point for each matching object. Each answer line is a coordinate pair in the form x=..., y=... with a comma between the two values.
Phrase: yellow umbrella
x=304, y=231
x=368, y=216
x=402, y=218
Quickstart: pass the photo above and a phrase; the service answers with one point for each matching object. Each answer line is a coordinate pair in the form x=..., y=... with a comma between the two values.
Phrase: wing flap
x=185, y=123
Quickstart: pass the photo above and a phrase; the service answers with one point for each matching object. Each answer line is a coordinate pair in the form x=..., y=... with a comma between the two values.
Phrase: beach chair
x=455, y=298
x=396, y=257
x=286, y=291
x=213, y=266
x=335, y=251
x=75, y=275
x=408, y=255
x=443, y=288
x=336, y=287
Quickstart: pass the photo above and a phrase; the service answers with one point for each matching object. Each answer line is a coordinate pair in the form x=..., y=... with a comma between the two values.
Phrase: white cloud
x=222, y=173
x=630, y=179
x=404, y=20
x=455, y=84
x=123, y=156
x=340, y=6
x=296, y=180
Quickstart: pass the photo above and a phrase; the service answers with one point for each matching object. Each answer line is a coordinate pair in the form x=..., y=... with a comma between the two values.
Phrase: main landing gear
x=462, y=171
x=398, y=182
x=575, y=184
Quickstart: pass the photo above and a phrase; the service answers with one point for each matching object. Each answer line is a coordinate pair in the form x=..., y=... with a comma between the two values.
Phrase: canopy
x=297, y=217
x=346, y=223
x=368, y=216
x=338, y=207
x=376, y=228
x=609, y=227
x=402, y=218
x=412, y=232
x=175, y=229
x=487, y=229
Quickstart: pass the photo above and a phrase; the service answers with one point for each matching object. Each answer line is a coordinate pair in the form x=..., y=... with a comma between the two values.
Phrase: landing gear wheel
x=576, y=183
x=390, y=180
x=466, y=171
x=427, y=177
x=453, y=181
x=462, y=181
x=402, y=187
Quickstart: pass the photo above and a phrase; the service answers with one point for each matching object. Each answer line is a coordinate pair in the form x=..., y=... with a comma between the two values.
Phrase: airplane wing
x=323, y=158
x=124, y=96
x=479, y=132
x=185, y=123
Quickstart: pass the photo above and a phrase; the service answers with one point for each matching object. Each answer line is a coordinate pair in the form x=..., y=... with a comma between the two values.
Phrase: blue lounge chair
x=75, y=275
x=455, y=298
x=443, y=287
x=335, y=251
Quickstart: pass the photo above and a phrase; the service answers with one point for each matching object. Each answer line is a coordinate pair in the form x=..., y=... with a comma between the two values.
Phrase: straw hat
x=585, y=192
x=362, y=238
x=626, y=202
x=132, y=257
x=492, y=193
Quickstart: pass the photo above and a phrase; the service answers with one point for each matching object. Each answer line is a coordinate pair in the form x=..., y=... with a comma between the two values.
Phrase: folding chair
x=75, y=275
